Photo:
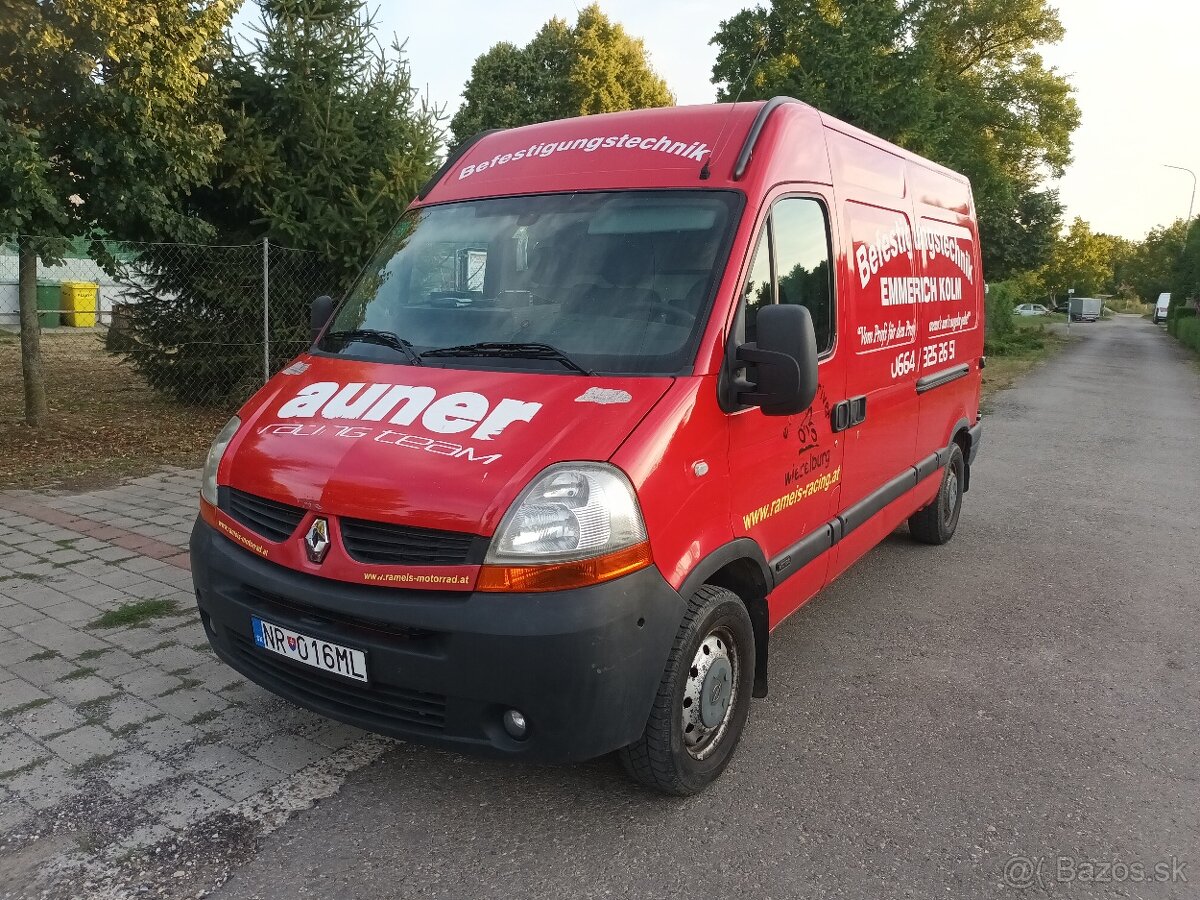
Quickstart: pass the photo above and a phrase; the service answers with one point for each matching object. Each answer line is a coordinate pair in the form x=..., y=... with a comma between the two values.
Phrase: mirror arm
x=786, y=365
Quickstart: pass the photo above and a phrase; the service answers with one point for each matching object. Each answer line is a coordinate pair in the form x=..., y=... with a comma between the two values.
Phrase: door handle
x=848, y=413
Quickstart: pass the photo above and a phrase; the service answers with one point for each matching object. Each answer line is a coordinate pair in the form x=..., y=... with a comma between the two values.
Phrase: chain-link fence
x=195, y=325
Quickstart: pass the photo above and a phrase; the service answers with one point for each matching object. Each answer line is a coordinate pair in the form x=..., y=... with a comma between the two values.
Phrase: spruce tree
x=327, y=142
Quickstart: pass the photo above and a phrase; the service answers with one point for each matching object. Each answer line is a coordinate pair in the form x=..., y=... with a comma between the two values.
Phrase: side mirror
x=785, y=357
x=319, y=315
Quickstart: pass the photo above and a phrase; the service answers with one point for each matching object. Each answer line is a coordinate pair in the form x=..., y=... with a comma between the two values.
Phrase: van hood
x=424, y=446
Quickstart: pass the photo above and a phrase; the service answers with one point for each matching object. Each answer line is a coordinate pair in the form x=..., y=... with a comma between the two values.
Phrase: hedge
x=1187, y=329
x=1177, y=314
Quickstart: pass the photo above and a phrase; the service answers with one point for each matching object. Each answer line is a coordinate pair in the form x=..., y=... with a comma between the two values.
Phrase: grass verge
x=1012, y=355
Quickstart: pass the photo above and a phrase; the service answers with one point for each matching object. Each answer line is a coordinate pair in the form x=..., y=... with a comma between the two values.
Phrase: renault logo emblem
x=316, y=541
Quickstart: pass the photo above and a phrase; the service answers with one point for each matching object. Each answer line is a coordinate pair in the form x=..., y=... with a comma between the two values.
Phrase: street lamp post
x=1187, y=226
x=1192, y=202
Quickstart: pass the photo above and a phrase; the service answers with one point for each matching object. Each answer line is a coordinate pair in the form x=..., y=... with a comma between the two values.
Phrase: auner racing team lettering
x=401, y=404
x=451, y=414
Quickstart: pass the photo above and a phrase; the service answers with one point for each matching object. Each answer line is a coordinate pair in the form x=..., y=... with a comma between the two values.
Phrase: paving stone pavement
x=118, y=738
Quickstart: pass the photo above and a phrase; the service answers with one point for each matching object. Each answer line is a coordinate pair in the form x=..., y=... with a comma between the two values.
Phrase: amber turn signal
x=564, y=575
x=208, y=512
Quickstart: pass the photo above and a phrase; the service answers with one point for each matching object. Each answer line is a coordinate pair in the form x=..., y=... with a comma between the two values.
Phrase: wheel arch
x=741, y=567
x=961, y=435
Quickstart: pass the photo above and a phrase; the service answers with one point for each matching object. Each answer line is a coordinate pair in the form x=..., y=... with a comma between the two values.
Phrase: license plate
x=323, y=655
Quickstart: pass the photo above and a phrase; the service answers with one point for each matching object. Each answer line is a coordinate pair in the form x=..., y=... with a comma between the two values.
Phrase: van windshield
x=616, y=283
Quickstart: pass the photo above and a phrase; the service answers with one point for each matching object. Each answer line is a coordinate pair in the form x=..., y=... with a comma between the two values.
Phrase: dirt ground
x=105, y=422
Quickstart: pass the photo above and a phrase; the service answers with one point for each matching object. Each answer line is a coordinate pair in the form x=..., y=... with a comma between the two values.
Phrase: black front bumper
x=582, y=665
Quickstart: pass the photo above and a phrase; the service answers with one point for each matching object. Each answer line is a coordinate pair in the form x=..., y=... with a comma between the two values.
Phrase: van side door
x=883, y=354
x=785, y=471
x=951, y=327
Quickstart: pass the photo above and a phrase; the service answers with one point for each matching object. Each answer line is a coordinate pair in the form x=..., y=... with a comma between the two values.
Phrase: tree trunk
x=31, y=352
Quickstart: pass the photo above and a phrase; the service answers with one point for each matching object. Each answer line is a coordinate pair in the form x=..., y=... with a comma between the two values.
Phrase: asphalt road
x=1031, y=690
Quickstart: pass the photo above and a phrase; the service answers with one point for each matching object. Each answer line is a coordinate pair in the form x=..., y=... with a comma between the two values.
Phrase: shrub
x=1187, y=329
x=1002, y=298
x=1018, y=342
x=1175, y=315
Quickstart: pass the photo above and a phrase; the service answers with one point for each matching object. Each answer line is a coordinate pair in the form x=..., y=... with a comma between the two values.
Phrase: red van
x=616, y=396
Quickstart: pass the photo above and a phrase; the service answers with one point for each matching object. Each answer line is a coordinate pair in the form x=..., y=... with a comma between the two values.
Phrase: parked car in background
x=1032, y=309
x=1086, y=309
x=1161, y=307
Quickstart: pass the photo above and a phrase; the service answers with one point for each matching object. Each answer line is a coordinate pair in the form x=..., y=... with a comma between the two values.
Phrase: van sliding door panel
x=950, y=328
x=881, y=337
x=944, y=377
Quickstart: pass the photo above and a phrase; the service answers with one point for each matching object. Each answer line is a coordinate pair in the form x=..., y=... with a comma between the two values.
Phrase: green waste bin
x=49, y=304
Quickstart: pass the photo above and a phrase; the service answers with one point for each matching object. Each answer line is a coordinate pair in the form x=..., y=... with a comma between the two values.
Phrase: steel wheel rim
x=952, y=494
x=712, y=677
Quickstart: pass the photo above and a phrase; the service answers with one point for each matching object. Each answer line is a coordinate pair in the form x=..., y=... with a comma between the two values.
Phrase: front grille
x=273, y=520
x=381, y=705
x=383, y=544
x=266, y=600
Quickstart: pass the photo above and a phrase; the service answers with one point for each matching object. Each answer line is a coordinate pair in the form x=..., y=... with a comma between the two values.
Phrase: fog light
x=515, y=724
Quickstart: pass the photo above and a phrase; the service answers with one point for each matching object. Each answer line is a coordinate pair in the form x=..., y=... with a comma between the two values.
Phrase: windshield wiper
x=376, y=336
x=511, y=350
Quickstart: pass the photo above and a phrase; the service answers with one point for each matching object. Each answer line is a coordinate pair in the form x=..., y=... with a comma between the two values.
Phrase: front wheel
x=936, y=523
x=703, y=698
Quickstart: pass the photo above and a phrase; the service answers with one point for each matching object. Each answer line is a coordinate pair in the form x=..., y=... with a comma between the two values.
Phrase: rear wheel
x=703, y=698
x=936, y=523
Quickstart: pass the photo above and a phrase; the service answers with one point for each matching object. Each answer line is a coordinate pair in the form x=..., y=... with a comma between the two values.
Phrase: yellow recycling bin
x=79, y=299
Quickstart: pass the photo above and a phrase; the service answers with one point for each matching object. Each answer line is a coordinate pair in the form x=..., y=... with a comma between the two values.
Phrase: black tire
x=670, y=756
x=936, y=523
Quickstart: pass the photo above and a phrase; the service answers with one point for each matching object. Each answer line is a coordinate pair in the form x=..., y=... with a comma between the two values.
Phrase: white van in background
x=1160, y=308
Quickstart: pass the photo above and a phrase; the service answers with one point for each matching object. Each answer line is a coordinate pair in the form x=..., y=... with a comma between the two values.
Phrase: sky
x=1128, y=60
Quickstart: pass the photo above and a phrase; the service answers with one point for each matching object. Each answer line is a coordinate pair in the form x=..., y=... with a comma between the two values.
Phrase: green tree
x=594, y=67
x=1186, y=283
x=107, y=119
x=960, y=83
x=1149, y=267
x=328, y=142
x=1081, y=259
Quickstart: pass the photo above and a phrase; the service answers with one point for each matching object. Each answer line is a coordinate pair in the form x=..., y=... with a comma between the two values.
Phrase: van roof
x=640, y=148
x=730, y=145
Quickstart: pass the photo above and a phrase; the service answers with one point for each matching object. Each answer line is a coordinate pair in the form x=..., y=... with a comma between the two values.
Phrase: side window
x=802, y=262
x=760, y=289
x=798, y=236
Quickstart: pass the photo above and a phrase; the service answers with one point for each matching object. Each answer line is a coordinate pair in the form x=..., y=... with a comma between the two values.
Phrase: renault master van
x=616, y=396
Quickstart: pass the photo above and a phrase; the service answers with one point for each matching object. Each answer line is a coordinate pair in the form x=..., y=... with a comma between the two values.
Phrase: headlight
x=573, y=510
x=576, y=524
x=208, y=485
